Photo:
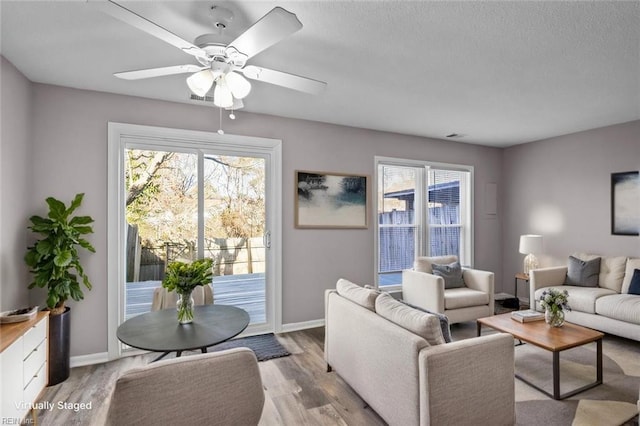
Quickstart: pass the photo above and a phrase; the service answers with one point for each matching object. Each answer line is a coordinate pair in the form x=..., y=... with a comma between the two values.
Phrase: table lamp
x=530, y=244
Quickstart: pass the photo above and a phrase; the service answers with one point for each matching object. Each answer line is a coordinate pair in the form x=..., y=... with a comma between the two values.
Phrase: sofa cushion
x=418, y=322
x=581, y=299
x=464, y=297
x=634, y=287
x=584, y=273
x=632, y=265
x=612, y=271
x=423, y=263
x=623, y=307
x=444, y=321
x=451, y=273
x=360, y=295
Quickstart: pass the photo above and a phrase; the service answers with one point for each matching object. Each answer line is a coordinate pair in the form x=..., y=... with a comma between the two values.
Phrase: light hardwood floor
x=298, y=389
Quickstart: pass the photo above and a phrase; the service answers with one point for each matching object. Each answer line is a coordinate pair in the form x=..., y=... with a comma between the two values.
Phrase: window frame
x=422, y=246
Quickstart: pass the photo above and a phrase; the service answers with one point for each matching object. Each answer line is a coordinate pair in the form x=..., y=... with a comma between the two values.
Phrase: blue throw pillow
x=634, y=287
x=452, y=274
x=583, y=273
x=444, y=321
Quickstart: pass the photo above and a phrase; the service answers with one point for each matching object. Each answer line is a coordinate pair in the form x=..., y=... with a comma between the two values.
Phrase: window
x=424, y=209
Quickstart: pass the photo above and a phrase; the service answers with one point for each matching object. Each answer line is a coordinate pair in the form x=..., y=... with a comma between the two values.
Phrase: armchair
x=163, y=299
x=220, y=388
x=427, y=291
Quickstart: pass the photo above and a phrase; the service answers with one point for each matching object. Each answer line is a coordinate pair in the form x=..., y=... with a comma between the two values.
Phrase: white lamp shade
x=530, y=244
x=240, y=86
x=222, y=96
x=200, y=83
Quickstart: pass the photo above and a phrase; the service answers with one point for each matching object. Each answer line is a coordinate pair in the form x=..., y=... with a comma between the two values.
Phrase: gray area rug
x=614, y=402
x=265, y=346
x=611, y=403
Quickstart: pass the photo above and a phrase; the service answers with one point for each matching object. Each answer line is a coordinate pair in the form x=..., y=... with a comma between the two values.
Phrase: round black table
x=160, y=331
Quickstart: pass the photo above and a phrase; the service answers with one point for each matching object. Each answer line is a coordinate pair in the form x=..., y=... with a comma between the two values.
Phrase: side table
x=521, y=277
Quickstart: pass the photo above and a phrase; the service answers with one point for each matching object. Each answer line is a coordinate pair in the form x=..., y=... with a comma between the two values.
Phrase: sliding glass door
x=183, y=200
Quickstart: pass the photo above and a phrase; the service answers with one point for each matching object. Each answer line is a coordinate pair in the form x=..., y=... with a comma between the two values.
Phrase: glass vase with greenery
x=183, y=277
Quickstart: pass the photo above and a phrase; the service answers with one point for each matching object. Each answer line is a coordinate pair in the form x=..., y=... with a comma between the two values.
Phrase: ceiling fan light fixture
x=200, y=83
x=239, y=86
x=222, y=96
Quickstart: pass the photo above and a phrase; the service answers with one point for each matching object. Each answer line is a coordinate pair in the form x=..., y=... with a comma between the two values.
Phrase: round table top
x=160, y=331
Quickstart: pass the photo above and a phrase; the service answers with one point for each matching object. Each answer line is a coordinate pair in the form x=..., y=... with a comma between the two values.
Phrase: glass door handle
x=266, y=239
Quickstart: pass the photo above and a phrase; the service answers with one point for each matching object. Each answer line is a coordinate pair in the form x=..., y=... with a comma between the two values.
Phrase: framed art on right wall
x=625, y=203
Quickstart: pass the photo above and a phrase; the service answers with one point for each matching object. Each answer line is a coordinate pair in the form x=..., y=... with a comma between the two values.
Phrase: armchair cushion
x=423, y=263
x=464, y=297
x=583, y=273
x=222, y=388
x=418, y=322
x=451, y=273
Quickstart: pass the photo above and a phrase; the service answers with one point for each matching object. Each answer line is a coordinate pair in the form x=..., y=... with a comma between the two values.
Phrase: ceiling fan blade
x=129, y=17
x=284, y=79
x=158, y=72
x=270, y=29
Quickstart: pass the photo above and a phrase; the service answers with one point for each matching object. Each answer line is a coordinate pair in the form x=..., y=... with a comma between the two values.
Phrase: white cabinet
x=24, y=367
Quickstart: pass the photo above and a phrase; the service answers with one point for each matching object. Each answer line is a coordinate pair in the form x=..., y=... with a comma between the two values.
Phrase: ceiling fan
x=224, y=66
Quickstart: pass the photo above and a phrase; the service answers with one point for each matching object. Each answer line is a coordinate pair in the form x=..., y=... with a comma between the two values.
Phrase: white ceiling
x=500, y=73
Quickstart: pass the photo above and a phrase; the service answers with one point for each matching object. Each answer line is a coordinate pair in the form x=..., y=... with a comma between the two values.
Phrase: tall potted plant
x=54, y=262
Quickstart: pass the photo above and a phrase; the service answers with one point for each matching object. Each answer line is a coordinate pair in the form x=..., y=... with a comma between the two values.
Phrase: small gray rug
x=265, y=346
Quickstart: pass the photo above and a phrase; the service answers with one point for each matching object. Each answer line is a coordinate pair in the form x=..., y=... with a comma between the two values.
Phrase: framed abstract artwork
x=331, y=200
x=625, y=203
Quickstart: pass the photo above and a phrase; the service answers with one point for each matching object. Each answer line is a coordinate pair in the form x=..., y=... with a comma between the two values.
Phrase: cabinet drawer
x=34, y=361
x=36, y=384
x=34, y=336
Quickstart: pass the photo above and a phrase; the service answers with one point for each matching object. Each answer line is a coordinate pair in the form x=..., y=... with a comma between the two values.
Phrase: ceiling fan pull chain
x=220, y=131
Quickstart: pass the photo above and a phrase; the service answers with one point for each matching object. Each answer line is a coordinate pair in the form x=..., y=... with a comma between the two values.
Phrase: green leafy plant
x=183, y=277
x=54, y=259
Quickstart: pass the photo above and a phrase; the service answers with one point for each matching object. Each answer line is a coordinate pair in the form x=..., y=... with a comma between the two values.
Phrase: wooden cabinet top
x=9, y=333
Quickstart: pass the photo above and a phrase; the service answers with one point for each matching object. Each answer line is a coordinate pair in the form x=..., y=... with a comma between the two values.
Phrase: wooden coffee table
x=554, y=339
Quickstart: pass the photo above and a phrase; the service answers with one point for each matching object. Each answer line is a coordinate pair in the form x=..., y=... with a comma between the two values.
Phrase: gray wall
x=69, y=156
x=561, y=188
x=16, y=167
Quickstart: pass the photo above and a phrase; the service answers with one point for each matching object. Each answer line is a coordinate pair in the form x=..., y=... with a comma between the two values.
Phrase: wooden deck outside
x=245, y=291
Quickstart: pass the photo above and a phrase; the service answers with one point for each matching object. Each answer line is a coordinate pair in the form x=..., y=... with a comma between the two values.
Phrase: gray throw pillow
x=452, y=274
x=583, y=273
x=444, y=321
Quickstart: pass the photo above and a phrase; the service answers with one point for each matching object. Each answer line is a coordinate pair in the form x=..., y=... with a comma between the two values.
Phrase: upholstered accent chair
x=472, y=299
x=163, y=299
x=220, y=388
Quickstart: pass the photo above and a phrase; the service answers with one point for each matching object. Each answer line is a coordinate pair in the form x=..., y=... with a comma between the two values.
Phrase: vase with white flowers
x=555, y=302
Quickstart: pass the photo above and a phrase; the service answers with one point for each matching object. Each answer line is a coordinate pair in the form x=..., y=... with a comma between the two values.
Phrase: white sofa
x=427, y=291
x=406, y=380
x=607, y=307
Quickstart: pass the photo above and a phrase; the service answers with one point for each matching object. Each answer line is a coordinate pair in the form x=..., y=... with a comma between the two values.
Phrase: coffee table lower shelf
x=551, y=339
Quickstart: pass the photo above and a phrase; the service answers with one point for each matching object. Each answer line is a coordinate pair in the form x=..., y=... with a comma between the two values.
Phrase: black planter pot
x=59, y=347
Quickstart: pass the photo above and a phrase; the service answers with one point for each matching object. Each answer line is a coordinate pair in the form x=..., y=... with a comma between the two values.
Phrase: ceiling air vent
x=201, y=98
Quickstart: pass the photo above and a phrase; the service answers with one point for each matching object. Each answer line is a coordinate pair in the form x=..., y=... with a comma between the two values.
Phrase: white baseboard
x=296, y=326
x=90, y=359
x=101, y=357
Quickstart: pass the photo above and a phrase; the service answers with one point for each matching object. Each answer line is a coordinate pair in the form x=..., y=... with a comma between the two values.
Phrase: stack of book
x=527, y=316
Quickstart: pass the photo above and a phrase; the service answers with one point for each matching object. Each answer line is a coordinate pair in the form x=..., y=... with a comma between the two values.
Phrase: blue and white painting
x=625, y=203
x=326, y=200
